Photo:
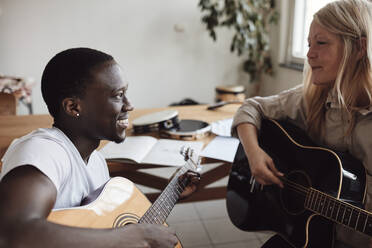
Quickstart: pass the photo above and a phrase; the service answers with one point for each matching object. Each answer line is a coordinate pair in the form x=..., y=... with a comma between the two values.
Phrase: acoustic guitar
x=321, y=187
x=120, y=202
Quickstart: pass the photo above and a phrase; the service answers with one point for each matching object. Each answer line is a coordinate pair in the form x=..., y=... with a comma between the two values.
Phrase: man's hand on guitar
x=150, y=235
x=193, y=179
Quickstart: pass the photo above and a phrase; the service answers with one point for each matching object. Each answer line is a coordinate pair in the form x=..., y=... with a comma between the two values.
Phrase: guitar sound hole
x=293, y=194
x=125, y=219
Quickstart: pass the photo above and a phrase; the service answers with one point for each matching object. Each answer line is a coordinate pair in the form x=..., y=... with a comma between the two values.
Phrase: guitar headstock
x=192, y=159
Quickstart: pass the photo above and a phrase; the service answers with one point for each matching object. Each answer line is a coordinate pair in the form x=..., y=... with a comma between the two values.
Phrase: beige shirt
x=289, y=105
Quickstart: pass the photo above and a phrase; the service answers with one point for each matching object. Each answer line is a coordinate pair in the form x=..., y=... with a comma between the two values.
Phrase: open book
x=149, y=150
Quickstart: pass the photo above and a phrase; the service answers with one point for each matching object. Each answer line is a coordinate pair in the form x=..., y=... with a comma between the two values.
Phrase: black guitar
x=321, y=187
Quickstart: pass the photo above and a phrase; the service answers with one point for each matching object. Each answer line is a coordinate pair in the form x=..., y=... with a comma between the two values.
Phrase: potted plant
x=251, y=20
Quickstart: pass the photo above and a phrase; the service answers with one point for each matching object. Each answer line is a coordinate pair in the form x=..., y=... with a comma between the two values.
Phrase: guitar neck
x=339, y=211
x=161, y=208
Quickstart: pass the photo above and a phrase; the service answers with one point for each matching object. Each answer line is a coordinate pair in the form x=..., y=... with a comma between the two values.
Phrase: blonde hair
x=351, y=20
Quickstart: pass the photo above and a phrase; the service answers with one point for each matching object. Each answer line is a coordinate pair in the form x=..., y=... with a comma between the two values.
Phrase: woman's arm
x=287, y=105
x=261, y=165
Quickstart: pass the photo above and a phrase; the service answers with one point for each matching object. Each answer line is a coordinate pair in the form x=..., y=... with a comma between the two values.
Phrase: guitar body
x=119, y=203
x=282, y=210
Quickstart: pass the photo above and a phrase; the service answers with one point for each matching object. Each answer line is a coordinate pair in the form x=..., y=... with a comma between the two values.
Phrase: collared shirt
x=290, y=105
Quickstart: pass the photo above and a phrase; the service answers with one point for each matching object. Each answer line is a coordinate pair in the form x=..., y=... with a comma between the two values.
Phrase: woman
x=334, y=103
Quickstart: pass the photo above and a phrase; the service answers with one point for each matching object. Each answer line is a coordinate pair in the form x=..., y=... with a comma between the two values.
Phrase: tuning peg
x=191, y=152
x=199, y=160
x=185, y=152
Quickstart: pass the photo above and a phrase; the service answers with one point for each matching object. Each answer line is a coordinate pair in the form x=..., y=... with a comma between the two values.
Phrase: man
x=57, y=167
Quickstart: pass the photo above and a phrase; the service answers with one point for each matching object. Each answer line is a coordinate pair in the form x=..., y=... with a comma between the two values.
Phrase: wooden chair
x=8, y=104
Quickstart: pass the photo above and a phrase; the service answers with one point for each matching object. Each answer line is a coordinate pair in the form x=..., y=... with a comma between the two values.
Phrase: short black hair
x=66, y=75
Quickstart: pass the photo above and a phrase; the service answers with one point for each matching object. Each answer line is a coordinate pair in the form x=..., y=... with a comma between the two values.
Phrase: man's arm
x=26, y=198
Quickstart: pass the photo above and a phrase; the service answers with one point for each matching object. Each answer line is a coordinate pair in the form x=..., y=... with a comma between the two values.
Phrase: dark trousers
x=278, y=242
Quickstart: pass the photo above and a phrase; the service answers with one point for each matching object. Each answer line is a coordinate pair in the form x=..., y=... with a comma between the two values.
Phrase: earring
x=77, y=115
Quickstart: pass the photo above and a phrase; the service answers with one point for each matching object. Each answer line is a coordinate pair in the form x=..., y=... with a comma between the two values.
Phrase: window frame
x=288, y=10
x=286, y=59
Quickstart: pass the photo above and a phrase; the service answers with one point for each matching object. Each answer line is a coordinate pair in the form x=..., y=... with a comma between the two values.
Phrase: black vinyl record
x=190, y=126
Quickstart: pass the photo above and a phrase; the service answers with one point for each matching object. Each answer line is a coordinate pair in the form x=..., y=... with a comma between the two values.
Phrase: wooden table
x=16, y=126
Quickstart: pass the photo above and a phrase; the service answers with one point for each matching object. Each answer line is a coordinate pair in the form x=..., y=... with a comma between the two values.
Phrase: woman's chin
x=323, y=83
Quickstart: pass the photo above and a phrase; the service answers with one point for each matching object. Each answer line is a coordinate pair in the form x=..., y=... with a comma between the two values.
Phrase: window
x=296, y=17
x=303, y=16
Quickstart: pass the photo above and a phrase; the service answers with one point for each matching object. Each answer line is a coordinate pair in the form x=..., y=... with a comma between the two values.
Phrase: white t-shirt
x=52, y=152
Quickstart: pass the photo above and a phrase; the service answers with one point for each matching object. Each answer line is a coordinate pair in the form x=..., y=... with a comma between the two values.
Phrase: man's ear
x=71, y=106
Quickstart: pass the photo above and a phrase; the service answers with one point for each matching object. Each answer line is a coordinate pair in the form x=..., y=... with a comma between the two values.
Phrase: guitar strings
x=170, y=200
x=326, y=206
x=295, y=186
x=303, y=191
x=318, y=204
x=157, y=209
x=169, y=197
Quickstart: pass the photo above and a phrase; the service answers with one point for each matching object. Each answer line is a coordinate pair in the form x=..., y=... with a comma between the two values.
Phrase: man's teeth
x=123, y=122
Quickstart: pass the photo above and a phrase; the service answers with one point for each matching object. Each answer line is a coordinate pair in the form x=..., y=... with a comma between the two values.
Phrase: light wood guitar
x=120, y=203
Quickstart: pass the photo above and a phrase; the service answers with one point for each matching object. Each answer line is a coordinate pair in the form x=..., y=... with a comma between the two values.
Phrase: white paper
x=167, y=152
x=149, y=150
x=221, y=148
x=134, y=148
x=222, y=127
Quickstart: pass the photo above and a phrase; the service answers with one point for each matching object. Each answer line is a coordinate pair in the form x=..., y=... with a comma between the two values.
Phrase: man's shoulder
x=38, y=144
x=47, y=136
x=41, y=149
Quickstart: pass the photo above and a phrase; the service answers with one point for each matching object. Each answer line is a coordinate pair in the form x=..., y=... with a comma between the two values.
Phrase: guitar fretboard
x=161, y=208
x=338, y=211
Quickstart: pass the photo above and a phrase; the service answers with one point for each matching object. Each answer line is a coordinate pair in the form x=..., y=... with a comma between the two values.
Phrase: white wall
x=283, y=78
x=163, y=65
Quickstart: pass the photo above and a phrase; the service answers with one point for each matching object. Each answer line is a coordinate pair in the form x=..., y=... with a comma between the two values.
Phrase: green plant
x=251, y=20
